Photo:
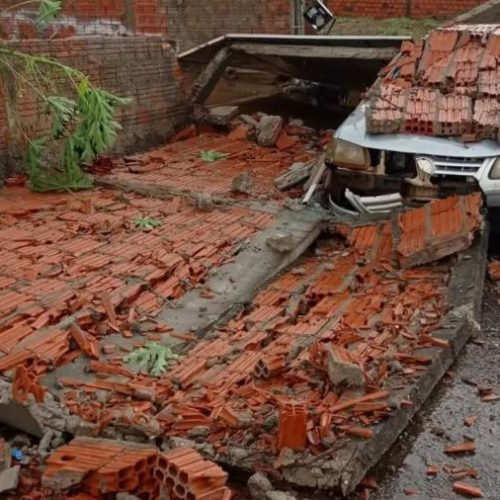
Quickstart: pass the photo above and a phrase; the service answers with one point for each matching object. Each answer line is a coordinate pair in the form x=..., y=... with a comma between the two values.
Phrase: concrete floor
x=442, y=423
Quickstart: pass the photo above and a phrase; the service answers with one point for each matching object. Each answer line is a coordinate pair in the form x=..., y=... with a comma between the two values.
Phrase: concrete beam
x=206, y=82
x=317, y=52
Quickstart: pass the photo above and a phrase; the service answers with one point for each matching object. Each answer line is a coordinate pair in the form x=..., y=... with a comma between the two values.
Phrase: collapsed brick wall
x=401, y=8
x=88, y=17
x=143, y=69
x=192, y=23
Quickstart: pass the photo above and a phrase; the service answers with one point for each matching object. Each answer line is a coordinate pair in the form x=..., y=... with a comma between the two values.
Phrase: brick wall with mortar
x=191, y=22
x=88, y=17
x=143, y=69
x=401, y=8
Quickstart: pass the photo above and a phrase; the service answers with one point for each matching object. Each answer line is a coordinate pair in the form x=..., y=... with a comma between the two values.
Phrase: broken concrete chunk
x=259, y=485
x=222, y=115
x=281, y=242
x=293, y=205
x=268, y=130
x=204, y=202
x=242, y=183
x=279, y=495
x=343, y=373
x=249, y=120
x=9, y=478
x=21, y=417
x=296, y=122
x=297, y=173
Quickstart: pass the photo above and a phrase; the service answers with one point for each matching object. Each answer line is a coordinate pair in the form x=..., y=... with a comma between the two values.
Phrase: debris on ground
x=209, y=161
x=259, y=485
x=243, y=183
x=282, y=242
x=467, y=490
x=9, y=479
x=268, y=130
x=454, y=222
x=494, y=275
x=296, y=174
x=433, y=470
x=470, y=421
x=467, y=446
x=222, y=115
x=319, y=357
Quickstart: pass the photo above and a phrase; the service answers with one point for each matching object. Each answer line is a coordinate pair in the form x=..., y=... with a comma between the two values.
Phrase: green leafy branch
x=212, y=156
x=147, y=223
x=82, y=121
x=153, y=359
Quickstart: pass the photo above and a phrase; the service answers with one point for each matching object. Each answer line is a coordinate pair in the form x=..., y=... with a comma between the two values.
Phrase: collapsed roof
x=445, y=85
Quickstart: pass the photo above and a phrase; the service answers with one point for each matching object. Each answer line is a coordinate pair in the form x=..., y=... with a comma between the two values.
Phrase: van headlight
x=425, y=165
x=348, y=155
x=495, y=170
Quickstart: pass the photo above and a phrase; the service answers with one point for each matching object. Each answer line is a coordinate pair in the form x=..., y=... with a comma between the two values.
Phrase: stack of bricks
x=100, y=467
x=447, y=87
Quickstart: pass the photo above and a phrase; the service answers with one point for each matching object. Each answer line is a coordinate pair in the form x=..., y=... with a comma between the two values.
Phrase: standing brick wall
x=192, y=22
x=89, y=17
x=380, y=9
x=143, y=69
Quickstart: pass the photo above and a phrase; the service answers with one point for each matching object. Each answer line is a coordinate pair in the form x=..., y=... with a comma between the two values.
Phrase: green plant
x=153, y=359
x=81, y=122
x=147, y=223
x=212, y=155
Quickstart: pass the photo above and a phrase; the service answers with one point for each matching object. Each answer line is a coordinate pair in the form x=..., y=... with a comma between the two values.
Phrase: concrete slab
x=343, y=466
x=236, y=283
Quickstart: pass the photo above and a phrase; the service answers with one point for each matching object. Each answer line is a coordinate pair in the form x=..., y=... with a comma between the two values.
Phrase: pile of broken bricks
x=321, y=356
x=444, y=85
x=97, y=468
x=250, y=159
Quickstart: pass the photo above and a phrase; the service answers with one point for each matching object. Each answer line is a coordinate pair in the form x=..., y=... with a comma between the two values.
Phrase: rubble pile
x=259, y=149
x=92, y=285
x=445, y=85
x=90, y=261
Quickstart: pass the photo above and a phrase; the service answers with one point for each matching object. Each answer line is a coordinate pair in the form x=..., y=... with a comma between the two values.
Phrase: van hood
x=353, y=129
